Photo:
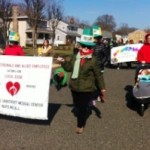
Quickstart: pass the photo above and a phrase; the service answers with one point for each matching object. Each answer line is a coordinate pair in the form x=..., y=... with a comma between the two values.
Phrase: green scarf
x=77, y=64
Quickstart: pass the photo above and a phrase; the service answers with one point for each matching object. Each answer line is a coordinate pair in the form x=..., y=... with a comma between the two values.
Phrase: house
x=137, y=36
x=25, y=31
x=65, y=33
x=19, y=23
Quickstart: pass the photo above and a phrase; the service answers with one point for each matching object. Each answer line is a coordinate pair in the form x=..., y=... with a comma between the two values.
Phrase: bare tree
x=124, y=29
x=35, y=10
x=147, y=29
x=55, y=14
x=71, y=19
x=106, y=22
x=5, y=14
x=77, y=21
x=84, y=24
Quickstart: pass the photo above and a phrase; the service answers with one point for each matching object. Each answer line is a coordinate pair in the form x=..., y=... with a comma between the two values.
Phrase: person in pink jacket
x=13, y=48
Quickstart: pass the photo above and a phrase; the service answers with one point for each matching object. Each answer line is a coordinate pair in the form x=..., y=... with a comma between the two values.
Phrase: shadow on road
x=122, y=66
x=89, y=111
x=131, y=102
x=97, y=111
x=52, y=110
x=135, y=104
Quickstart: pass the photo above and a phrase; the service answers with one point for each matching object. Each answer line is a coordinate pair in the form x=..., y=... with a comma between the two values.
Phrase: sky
x=135, y=13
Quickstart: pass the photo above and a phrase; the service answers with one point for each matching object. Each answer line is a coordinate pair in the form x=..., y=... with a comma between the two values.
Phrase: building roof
x=107, y=34
x=137, y=35
x=40, y=30
x=69, y=33
x=137, y=31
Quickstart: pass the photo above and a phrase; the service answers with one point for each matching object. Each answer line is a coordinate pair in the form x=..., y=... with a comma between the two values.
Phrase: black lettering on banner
x=5, y=106
x=31, y=86
x=14, y=107
x=23, y=103
x=37, y=104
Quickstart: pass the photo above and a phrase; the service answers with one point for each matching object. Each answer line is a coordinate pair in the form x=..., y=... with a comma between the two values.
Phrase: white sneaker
x=98, y=99
x=94, y=102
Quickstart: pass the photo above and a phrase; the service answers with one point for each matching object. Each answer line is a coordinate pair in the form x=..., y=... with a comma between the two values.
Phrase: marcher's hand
x=1, y=51
x=60, y=59
x=102, y=95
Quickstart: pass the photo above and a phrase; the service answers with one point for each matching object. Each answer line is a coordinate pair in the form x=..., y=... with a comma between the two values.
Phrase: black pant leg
x=81, y=100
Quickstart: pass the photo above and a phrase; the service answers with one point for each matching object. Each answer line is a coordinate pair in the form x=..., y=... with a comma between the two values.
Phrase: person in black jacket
x=99, y=48
x=76, y=49
x=108, y=51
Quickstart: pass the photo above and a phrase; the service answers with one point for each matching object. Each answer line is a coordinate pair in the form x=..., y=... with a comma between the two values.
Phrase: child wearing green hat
x=85, y=76
x=13, y=48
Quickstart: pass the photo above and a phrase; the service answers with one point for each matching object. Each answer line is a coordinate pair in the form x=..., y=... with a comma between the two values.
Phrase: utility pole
x=15, y=20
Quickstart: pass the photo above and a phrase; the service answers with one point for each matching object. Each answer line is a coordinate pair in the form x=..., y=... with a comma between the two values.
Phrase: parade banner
x=126, y=53
x=24, y=86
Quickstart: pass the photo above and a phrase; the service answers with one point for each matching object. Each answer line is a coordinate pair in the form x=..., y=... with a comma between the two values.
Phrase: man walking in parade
x=99, y=48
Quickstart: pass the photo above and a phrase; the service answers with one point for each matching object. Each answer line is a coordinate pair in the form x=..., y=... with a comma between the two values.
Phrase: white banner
x=125, y=53
x=24, y=86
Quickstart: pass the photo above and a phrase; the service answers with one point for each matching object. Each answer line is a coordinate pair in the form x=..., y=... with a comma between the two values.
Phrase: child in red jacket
x=13, y=48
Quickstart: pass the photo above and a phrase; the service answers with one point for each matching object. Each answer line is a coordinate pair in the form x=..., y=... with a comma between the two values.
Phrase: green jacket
x=89, y=78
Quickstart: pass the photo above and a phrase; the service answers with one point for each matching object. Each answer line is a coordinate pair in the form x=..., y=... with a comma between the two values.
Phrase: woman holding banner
x=119, y=43
x=129, y=64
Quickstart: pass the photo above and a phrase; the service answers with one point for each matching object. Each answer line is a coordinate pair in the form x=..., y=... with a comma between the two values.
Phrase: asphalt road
x=120, y=128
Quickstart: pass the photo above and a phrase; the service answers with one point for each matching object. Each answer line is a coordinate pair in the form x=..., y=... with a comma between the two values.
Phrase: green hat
x=13, y=37
x=87, y=37
x=97, y=32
